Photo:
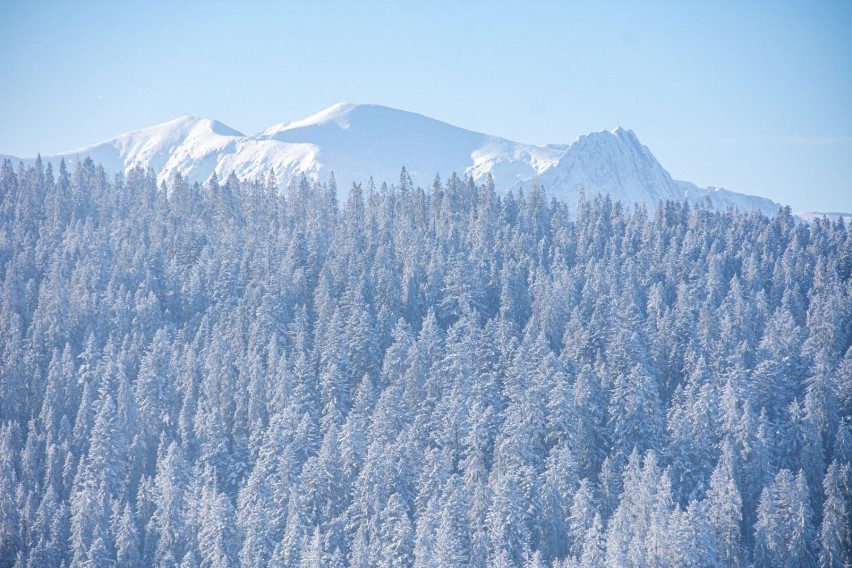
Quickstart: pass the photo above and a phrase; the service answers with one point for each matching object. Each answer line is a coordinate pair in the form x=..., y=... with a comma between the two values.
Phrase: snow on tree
x=231, y=374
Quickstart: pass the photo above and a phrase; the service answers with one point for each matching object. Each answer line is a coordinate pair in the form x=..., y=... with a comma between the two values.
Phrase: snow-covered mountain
x=360, y=141
x=357, y=142
x=615, y=163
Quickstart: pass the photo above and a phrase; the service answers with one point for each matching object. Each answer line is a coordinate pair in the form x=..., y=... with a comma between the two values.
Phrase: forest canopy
x=236, y=374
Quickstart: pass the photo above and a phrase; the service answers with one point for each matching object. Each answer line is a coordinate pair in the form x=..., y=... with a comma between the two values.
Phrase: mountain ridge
x=362, y=141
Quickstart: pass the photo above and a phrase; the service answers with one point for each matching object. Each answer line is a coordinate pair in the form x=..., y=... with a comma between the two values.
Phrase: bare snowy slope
x=186, y=144
x=362, y=141
x=357, y=142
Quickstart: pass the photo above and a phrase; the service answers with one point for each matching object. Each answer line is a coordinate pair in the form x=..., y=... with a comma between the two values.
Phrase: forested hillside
x=225, y=374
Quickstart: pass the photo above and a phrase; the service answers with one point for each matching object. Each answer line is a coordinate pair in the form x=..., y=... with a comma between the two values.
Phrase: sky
x=753, y=96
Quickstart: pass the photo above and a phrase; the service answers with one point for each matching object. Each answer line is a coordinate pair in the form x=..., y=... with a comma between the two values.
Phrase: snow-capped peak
x=174, y=131
x=175, y=145
x=336, y=113
x=612, y=162
x=376, y=120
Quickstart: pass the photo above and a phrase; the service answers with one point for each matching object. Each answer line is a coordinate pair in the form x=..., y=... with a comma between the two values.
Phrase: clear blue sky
x=752, y=96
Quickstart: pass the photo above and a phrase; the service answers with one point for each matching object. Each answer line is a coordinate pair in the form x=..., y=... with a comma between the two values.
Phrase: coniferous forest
x=229, y=374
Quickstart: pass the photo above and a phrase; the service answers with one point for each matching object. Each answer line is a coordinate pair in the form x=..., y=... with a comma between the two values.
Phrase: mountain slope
x=615, y=163
x=358, y=142
x=362, y=141
x=187, y=144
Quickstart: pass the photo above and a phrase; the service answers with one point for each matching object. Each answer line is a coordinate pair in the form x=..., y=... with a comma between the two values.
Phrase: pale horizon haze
x=755, y=97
